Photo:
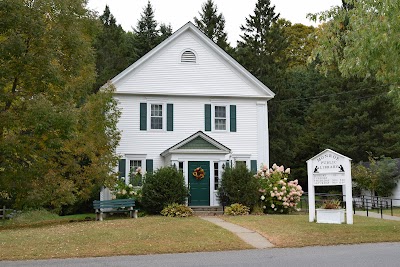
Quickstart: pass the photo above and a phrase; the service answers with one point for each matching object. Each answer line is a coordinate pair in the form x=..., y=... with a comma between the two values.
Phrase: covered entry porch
x=201, y=159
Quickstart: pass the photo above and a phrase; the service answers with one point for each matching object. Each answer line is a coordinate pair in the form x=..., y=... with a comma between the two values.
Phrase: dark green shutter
x=143, y=116
x=253, y=166
x=233, y=118
x=170, y=117
x=121, y=168
x=207, y=113
x=149, y=165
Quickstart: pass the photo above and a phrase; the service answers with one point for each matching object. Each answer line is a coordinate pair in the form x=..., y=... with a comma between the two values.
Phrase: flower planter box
x=330, y=216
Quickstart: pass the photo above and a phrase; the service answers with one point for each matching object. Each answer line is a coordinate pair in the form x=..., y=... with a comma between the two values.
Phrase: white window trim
x=128, y=159
x=164, y=116
x=227, y=109
x=245, y=158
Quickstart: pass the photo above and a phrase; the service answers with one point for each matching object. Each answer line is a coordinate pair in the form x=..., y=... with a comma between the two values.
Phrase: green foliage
x=361, y=38
x=236, y=209
x=114, y=49
x=34, y=216
x=262, y=50
x=56, y=138
x=301, y=42
x=177, y=210
x=124, y=191
x=212, y=24
x=146, y=34
x=163, y=187
x=380, y=176
x=277, y=193
x=238, y=185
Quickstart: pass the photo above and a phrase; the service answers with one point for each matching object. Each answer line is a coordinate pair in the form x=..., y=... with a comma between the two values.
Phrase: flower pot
x=330, y=216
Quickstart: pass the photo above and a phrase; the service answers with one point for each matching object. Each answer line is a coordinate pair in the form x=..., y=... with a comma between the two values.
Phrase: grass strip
x=296, y=231
x=146, y=235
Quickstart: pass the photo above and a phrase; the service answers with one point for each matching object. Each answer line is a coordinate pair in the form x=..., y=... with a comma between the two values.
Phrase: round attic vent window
x=188, y=57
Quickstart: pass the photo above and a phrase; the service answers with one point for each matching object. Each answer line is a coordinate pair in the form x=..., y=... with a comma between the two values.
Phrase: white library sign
x=330, y=168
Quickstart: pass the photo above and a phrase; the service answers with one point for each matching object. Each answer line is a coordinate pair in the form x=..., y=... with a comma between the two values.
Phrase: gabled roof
x=331, y=151
x=198, y=143
x=215, y=48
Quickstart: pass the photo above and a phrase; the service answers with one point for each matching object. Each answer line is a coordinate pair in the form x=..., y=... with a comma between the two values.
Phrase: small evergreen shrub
x=237, y=209
x=163, y=187
x=177, y=210
x=238, y=185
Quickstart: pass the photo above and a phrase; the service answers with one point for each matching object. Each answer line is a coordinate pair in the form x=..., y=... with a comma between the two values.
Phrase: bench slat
x=113, y=206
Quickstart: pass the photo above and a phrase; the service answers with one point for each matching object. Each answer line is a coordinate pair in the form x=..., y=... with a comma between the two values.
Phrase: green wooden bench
x=114, y=206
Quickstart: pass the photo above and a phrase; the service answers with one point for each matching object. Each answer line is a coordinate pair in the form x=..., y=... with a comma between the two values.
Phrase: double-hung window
x=220, y=118
x=156, y=116
x=134, y=166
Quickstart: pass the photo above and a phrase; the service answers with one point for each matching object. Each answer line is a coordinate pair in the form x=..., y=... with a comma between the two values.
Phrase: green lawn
x=146, y=235
x=296, y=231
x=43, y=236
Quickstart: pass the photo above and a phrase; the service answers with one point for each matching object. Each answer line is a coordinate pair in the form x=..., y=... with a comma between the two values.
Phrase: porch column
x=262, y=134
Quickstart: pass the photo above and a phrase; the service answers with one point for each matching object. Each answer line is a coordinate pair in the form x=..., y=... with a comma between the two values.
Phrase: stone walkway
x=249, y=236
x=377, y=215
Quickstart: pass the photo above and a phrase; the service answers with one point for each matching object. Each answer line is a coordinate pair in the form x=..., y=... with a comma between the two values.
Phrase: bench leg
x=135, y=214
x=101, y=216
x=97, y=215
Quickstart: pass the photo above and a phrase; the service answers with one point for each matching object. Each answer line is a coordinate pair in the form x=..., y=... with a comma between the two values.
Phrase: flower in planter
x=331, y=204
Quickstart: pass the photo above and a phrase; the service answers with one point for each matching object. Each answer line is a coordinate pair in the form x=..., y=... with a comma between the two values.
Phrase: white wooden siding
x=188, y=119
x=164, y=73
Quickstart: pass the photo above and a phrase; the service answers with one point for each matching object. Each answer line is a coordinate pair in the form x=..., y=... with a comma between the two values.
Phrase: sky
x=179, y=12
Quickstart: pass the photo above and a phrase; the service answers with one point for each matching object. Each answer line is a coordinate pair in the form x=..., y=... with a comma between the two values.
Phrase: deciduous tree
x=369, y=37
x=56, y=139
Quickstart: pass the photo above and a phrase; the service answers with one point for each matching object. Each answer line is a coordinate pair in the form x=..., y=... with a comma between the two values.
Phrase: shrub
x=277, y=193
x=34, y=216
x=237, y=209
x=163, y=187
x=238, y=185
x=177, y=210
x=122, y=190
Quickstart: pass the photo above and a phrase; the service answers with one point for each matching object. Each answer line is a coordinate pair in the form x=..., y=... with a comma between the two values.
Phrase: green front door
x=199, y=189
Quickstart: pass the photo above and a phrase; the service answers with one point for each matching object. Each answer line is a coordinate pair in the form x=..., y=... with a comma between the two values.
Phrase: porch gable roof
x=199, y=143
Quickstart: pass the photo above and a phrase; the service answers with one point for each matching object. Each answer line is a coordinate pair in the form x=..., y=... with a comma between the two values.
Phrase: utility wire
x=335, y=94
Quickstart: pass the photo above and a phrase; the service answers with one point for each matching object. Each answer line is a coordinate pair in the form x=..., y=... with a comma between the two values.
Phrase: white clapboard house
x=189, y=104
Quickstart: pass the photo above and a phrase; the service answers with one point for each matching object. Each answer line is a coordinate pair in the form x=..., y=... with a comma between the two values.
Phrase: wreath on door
x=198, y=173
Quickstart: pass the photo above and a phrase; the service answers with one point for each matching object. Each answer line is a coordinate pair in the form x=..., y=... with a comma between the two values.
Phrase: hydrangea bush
x=124, y=191
x=133, y=189
x=278, y=194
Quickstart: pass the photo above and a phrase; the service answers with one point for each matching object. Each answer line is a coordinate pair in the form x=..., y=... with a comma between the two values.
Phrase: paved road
x=380, y=254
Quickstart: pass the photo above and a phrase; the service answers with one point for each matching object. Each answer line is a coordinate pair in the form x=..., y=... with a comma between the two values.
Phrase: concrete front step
x=207, y=210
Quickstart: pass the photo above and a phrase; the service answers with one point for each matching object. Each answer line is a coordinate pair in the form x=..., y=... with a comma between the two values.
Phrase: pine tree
x=165, y=32
x=114, y=52
x=262, y=50
x=146, y=32
x=212, y=24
